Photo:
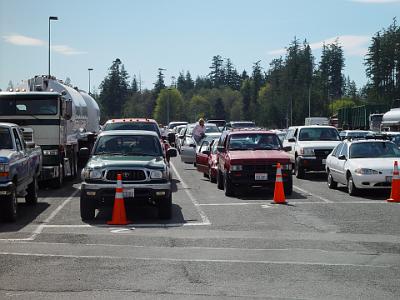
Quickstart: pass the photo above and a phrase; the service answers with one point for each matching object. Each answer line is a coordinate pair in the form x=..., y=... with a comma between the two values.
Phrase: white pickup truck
x=20, y=167
x=310, y=145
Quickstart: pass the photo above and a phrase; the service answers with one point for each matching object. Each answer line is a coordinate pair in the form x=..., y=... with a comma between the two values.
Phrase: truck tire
x=228, y=187
x=220, y=180
x=32, y=192
x=288, y=187
x=10, y=206
x=59, y=181
x=164, y=207
x=87, y=208
x=298, y=170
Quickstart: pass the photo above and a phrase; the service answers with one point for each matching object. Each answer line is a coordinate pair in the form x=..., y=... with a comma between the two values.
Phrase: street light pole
x=50, y=19
x=89, y=69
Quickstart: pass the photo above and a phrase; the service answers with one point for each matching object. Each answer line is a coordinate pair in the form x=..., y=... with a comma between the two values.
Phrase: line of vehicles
x=48, y=129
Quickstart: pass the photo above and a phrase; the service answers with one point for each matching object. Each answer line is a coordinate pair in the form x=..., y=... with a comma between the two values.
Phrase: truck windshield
x=28, y=106
x=319, y=134
x=140, y=145
x=5, y=139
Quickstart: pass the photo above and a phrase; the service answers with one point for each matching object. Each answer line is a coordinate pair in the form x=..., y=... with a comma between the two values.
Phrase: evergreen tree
x=159, y=84
x=134, y=85
x=217, y=73
x=219, y=109
x=246, y=101
x=114, y=90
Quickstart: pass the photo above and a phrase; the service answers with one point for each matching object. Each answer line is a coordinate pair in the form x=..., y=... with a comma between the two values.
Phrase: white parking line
x=201, y=260
x=311, y=194
x=202, y=214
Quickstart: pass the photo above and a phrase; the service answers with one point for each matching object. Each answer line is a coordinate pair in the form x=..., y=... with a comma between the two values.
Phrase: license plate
x=388, y=178
x=129, y=193
x=261, y=176
x=324, y=161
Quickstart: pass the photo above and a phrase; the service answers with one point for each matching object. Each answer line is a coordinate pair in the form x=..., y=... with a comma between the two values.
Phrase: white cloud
x=66, y=50
x=355, y=45
x=376, y=1
x=21, y=40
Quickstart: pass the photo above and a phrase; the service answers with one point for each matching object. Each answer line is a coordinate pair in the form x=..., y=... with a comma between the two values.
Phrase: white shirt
x=198, y=130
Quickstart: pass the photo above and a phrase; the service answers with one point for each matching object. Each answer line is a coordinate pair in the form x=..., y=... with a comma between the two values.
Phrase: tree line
x=290, y=89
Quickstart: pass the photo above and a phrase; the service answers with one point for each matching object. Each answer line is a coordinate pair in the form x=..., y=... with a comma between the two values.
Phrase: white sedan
x=362, y=164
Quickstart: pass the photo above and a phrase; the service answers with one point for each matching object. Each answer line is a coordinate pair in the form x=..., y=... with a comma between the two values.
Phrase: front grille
x=127, y=175
x=322, y=153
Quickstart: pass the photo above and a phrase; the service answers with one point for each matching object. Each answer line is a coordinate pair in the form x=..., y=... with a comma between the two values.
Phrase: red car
x=206, y=159
x=248, y=158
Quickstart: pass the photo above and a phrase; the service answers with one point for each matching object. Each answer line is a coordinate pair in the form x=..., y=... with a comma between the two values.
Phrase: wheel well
x=348, y=174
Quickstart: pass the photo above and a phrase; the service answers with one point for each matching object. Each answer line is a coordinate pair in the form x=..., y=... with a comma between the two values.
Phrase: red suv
x=248, y=158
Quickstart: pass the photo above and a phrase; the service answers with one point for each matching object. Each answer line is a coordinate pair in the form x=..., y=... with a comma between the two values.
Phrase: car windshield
x=142, y=145
x=211, y=128
x=374, y=150
x=5, y=139
x=146, y=126
x=319, y=134
x=243, y=125
x=254, y=141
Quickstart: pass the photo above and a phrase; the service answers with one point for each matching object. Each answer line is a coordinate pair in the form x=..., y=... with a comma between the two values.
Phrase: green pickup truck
x=136, y=155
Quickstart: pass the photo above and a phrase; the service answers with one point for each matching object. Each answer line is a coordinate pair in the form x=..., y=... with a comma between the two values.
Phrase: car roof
x=9, y=125
x=131, y=120
x=246, y=131
x=129, y=132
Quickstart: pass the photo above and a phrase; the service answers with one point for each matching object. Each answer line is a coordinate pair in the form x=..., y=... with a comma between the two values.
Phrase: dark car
x=138, y=157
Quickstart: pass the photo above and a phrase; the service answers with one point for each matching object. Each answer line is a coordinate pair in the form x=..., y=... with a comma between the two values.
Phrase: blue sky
x=178, y=35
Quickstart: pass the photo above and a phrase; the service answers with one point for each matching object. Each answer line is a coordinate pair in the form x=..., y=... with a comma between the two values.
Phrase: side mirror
x=342, y=157
x=84, y=153
x=68, y=109
x=192, y=145
x=292, y=140
x=206, y=152
x=287, y=148
x=171, y=152
x=221, y=149
x=30, y=145
x=181, y=136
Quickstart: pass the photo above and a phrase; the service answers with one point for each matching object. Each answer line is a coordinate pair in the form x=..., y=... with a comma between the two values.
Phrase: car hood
x=5, y=155
x=260, y=155
x=318, y=144
x=105, y=161
x=383, y=164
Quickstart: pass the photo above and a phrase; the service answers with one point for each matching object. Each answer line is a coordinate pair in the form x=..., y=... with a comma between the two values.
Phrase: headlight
x=156, y=174
x=50, y=152
x=236, y=168
x=306, y=151
x=364, y=171
x=4, y=168
x=286, y=167
x=91, y=173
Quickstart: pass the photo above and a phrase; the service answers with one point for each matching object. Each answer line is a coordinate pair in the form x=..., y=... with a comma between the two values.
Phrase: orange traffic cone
x=395, y=193
x=119, y=213
x=279, y=193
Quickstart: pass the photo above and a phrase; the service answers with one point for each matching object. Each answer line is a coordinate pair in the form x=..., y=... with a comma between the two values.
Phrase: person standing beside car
x=199, y=131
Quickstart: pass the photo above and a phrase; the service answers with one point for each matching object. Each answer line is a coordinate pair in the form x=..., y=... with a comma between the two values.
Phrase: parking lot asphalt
x=324, y=244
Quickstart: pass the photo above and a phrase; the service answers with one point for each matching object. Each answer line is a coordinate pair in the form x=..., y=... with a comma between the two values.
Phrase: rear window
x=318, y=134
x=147, y=126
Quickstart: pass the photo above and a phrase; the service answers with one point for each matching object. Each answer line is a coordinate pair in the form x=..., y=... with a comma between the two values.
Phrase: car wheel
x=165, y=208
x=220, y=182
x=87, y=208
x=351, y=187
x=331, y=183
x=212, y=178
x=32, y=192
x=10, y=206
x=299, y=171
x=228, y=187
